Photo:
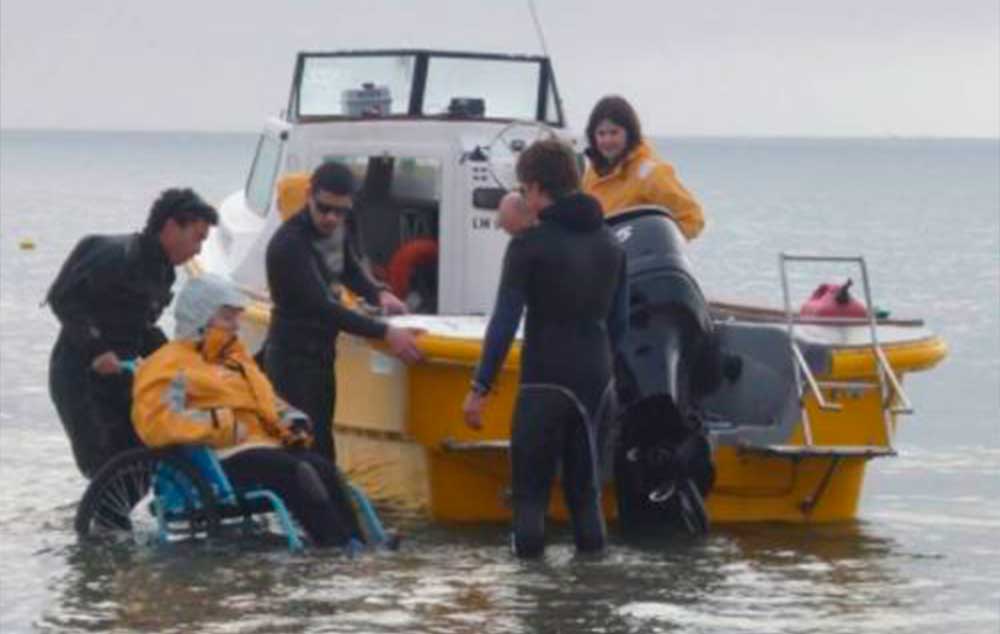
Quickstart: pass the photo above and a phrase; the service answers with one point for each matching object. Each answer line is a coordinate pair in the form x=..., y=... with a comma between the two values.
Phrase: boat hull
x=399, y=433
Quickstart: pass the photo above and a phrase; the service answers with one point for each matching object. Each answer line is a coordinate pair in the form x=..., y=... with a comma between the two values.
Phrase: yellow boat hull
x=400, y=434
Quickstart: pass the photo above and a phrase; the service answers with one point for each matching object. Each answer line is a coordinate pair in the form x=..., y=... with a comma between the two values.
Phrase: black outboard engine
x=670, y=358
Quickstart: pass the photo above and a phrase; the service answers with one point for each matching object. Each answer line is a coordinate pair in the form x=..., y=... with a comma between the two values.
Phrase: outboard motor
x=670, y=358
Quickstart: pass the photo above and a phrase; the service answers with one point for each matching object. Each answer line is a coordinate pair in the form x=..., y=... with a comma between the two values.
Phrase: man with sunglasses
x=309, y=258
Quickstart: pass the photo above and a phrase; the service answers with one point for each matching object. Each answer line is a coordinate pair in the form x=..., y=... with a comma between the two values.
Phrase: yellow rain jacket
x=643, y=178
x=182, y=395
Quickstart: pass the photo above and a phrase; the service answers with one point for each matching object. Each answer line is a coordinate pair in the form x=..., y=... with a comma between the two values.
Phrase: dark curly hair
x=183, y=205
x=617, y=110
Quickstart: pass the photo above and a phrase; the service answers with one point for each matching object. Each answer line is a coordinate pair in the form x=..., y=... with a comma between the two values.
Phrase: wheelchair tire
x=111, y=504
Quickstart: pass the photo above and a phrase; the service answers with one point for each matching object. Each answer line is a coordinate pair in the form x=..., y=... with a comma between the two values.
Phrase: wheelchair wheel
x=123, y=498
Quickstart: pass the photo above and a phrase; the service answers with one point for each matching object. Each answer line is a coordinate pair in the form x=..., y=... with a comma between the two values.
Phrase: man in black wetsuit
x=108, y=296
x=308, y=259
x=568, y=271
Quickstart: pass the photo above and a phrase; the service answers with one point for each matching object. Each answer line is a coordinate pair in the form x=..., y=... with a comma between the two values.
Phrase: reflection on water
x=923, y=558
x=753, y=578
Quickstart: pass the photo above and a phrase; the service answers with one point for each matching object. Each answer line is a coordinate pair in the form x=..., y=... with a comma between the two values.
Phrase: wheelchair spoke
x=148, y=480
x=119, y=494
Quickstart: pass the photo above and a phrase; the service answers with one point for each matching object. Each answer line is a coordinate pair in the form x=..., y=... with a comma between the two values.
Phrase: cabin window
x=396, y=223
x=356, y=86
x=260, y=183
x=509, y=89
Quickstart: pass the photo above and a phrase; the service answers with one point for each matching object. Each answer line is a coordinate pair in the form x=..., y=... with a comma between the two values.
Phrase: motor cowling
x=669, y=320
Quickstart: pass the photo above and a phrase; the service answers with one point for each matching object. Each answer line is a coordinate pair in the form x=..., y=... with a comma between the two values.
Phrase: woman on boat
x=204, y=388
x=568, y=272
x=626, y=172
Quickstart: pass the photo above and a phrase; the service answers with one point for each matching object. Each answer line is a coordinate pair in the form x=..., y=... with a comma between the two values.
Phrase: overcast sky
x=713, y=67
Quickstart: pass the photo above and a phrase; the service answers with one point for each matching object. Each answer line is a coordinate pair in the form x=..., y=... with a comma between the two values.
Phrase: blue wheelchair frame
x=173, y=500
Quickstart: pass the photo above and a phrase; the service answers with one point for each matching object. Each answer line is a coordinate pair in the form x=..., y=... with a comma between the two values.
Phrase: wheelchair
x=181, y=492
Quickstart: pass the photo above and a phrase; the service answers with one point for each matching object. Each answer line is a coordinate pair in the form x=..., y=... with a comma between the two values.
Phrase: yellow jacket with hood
x=643, y=178
x=203, y=387
x=194, y=392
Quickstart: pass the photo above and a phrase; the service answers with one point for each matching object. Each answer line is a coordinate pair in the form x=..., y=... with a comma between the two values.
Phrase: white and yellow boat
x=433, y=137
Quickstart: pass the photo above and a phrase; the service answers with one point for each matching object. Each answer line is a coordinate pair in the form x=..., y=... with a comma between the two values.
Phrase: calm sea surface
x=923, y=556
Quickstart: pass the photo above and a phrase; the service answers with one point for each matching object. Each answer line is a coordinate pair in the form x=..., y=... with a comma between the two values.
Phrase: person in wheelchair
x=204, y=388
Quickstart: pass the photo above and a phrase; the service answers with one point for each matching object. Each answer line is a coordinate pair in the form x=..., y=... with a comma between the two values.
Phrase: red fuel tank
x=833, y=300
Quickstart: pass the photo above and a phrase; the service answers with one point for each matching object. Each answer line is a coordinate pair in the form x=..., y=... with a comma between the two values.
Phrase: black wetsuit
x=569, y=272
x=108, y=296
x=307, y=316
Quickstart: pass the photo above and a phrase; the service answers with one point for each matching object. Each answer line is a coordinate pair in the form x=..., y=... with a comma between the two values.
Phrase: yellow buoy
x=27, y=244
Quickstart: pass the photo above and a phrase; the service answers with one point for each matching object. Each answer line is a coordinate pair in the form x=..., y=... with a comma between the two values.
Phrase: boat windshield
x=509, y=90
x=423, y=84
x=332, y=86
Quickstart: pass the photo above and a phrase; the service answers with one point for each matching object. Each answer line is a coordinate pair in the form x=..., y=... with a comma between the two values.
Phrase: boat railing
x=893, y=398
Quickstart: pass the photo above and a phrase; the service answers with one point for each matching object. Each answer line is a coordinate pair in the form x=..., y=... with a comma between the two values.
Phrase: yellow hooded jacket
x=643, y=178
x=185, y=395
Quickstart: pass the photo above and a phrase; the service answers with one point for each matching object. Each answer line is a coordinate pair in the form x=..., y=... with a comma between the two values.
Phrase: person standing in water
x=308, y=260
x=625, y=171
x=108, y=297
x=568, y=273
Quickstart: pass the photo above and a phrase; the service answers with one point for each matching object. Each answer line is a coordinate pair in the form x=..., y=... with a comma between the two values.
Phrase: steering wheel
x=508, y=143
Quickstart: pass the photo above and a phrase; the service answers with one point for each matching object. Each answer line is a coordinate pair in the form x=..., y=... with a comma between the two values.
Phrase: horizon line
x=689, y=135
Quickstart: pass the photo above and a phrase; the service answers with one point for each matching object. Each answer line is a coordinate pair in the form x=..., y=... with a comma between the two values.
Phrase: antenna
x=538, y=27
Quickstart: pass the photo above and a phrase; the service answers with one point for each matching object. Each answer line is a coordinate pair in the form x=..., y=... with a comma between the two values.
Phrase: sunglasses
x=325, y=209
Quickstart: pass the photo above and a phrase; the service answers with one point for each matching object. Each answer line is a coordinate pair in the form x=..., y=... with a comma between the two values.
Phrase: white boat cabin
x=431, y=137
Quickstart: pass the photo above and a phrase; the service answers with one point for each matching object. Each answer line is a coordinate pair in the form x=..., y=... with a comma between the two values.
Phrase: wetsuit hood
x=576, y=212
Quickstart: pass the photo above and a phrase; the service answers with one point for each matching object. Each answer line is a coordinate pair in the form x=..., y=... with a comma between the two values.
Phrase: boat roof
x=418, y=84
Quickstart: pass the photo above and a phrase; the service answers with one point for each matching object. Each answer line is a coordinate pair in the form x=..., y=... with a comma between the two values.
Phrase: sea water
x=923, y=555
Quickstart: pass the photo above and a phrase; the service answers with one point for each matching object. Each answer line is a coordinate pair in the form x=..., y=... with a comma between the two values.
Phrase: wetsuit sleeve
x=293, y=268
x=618, y=317
x=663, y=187
x=506, y=315
x=161, y=416
x=72, y=295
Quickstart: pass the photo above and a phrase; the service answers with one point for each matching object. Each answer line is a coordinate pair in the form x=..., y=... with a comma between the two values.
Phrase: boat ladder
x=893, y=399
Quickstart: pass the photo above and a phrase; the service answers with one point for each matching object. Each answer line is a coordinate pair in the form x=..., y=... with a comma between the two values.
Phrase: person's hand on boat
x=472, y=409
x=390, y=304
x=403, y=344
x=107, y=363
